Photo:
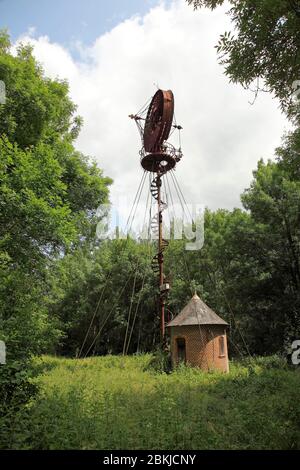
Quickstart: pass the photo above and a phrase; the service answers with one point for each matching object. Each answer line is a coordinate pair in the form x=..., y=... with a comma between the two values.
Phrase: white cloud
x=223, y=135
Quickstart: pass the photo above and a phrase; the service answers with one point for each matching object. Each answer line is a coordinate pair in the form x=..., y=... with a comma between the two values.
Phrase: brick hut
x=198, y=337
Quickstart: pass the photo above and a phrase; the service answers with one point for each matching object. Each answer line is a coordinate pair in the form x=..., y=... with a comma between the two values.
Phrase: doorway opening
x=181, y=350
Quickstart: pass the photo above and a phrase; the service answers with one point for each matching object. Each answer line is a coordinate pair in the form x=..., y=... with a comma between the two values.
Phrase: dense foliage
x=49, y=193
x=120, y=403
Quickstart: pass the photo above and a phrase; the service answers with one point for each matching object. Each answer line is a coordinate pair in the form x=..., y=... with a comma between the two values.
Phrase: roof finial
x=195, y=296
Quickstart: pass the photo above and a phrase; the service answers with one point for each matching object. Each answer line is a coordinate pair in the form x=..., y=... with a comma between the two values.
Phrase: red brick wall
x=202, y=346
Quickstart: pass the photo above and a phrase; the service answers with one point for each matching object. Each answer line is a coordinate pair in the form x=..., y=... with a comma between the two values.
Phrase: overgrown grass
x=121, y=403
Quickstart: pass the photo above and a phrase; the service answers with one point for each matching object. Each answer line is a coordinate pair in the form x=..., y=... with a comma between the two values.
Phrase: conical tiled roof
x=196, y=312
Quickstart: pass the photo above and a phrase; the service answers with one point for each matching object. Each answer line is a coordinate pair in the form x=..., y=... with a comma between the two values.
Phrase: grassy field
x=121, y=403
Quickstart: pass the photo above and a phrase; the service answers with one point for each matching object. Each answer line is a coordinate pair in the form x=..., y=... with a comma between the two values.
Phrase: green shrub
x=117, y=402
x=16, y=390
x=160, y=362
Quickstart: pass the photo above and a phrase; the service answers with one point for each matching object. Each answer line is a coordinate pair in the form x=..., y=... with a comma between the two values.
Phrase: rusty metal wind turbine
x=158, y=157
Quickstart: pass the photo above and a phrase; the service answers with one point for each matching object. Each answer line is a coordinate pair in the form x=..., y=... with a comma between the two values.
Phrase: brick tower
x=198, y=337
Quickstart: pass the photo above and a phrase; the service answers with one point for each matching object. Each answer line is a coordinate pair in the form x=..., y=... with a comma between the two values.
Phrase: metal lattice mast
x=161, y=260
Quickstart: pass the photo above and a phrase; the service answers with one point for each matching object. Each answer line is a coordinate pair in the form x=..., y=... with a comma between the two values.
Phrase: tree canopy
x=262, y=50
x=49, y=192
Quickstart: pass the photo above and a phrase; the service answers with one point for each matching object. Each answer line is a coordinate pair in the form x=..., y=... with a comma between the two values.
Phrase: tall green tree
x=262, y=50
x=49, y=193
x=274, y=202
x=105, y=300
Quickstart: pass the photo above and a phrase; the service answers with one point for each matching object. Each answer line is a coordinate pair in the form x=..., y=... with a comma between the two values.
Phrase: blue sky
x=65, y=21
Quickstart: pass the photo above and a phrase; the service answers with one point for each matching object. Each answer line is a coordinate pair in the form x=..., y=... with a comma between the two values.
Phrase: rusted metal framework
x=158, y=157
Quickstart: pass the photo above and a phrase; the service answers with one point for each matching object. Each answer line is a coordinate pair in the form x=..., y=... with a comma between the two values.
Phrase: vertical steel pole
x=160, y=260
